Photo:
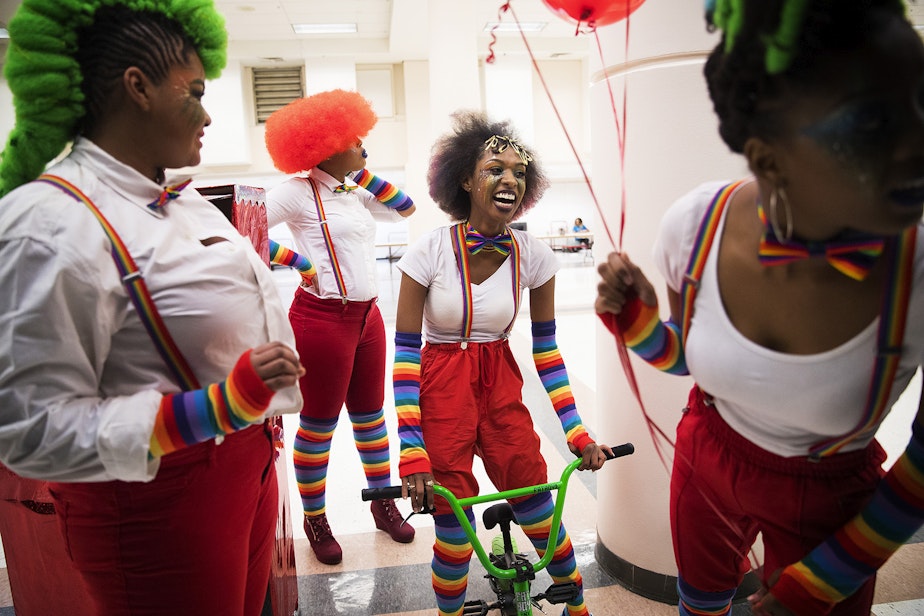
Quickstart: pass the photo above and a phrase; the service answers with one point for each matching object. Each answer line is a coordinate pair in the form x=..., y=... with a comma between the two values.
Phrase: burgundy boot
x=326, y=549
x=388, y=518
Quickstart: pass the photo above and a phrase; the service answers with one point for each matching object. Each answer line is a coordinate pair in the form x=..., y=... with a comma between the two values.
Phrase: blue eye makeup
x=860, y=135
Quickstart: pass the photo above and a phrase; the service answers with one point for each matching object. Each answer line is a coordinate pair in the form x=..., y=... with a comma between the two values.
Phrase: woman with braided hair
x=805, y=321
x=339, y=330
x=461, y=395
x=143, y=342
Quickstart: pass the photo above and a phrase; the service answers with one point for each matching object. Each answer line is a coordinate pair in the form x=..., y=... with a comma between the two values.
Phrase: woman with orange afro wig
x=339, y=331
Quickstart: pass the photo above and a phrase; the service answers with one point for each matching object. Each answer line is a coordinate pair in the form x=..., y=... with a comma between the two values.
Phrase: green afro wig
x=310, y=130
x=45, y=78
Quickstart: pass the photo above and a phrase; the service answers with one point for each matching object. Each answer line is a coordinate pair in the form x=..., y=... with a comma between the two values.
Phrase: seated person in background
x=577, y=228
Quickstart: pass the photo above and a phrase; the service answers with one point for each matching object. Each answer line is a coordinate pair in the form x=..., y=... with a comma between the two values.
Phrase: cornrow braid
x=120, y=38
x=771, y=47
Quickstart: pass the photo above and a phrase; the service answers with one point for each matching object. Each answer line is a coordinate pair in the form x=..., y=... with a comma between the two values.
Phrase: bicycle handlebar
x=458, y=504
x=393, y=492
x=380, y=493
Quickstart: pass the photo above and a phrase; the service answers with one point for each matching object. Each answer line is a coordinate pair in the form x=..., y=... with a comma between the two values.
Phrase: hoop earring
x=778, y=195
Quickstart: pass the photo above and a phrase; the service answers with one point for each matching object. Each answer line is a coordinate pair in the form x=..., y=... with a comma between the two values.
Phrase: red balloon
x=593, y=12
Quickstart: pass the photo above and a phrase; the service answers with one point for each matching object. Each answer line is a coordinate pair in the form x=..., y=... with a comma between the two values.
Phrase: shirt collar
x=324, y=178
x=123, y=179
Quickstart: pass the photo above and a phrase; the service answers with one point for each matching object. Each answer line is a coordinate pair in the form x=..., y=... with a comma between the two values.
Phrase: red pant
x=794, y=503
x=342, y=347
x=471, y=403
x=197, y=539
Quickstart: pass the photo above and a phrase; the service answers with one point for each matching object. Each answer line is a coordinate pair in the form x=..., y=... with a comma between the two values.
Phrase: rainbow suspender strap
x=892, y=317
x=137, y=290
x=458, y=242
x=891, y=324
x=328, y=241
x=701, y=245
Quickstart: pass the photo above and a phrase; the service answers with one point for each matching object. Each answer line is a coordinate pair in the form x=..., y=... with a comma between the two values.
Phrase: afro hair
x=310, y=130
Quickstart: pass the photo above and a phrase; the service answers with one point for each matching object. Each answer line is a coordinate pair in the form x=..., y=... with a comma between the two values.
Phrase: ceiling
x=260, y=31
x=388, y=31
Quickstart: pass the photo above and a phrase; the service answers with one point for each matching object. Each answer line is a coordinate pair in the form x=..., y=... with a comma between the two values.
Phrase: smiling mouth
x=505, y=199
x=909, y=194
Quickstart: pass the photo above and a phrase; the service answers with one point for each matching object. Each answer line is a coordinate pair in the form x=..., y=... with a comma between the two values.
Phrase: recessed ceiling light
x=324, y=28
x=508, y=26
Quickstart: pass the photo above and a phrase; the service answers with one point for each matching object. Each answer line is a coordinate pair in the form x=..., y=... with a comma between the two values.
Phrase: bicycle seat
x=497, y=514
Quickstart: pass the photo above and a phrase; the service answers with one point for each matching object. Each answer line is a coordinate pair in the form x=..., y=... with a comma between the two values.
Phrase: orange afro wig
x=310, y=130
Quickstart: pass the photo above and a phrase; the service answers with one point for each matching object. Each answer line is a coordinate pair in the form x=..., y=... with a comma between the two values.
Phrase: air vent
x=274, y=88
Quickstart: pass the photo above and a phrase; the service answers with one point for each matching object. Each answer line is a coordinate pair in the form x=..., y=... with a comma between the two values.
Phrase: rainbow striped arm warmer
x=280, y=255
x=191, y=417
x=839, y=566
x=406, y=382
x=554, y=378
x=386, y=192
x=658, y=343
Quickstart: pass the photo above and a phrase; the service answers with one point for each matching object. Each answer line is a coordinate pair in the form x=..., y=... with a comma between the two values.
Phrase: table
x=392, y=247
x=567, y=242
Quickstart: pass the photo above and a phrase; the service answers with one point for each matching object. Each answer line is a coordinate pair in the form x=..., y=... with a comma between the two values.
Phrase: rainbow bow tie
x=852, y=254
x=345, y=188
x=168, y=194
x=476, y=242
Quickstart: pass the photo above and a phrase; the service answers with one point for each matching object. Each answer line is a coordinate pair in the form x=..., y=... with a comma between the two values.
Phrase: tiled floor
x=380, y=577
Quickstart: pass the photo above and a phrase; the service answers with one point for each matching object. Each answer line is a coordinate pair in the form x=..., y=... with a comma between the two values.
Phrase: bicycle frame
x=523, y=571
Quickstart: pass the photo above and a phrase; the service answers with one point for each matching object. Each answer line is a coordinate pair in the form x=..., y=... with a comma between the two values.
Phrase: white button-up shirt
x=80, y=378
x=351, y=220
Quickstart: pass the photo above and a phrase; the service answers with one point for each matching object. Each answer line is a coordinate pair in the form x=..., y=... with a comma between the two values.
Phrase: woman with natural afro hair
x=143, y=343
x=461, y=396
x=339, y=331
x=805, y=321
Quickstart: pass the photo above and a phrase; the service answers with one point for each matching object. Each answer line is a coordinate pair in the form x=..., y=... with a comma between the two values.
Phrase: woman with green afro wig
x=144, y=343
x=44, y=73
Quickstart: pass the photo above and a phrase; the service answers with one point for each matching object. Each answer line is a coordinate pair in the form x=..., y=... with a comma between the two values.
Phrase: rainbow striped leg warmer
x=280, y=255
x=371, y=438
x=310, y=456
x=695, y=602
x=191, y=417
x=843, y=563
x=451, y=555
x=554, y=378
x=534, y=515
x=658, y=343
x=385, y=192
x=406, y=383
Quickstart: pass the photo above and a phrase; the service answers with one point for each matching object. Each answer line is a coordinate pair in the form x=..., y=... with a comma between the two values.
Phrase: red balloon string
x=500, y=15
x=548, y=93
x=658, y=436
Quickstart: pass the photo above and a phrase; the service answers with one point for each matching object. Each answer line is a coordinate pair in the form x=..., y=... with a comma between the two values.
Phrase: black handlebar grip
x=370, y=494
x=622, y=450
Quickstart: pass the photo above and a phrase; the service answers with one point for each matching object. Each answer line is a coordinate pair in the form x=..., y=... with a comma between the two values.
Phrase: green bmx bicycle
x=509, y=572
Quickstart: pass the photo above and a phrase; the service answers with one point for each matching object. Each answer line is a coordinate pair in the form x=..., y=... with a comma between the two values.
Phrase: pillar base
x=656, y=586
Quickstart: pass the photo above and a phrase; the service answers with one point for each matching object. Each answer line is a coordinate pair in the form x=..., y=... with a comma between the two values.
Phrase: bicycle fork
x=513, y=595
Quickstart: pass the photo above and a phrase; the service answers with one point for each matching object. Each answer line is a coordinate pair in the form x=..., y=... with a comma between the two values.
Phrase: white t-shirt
x=80, y=379
x=431, y=262
x=351, y=220
x=783, y=403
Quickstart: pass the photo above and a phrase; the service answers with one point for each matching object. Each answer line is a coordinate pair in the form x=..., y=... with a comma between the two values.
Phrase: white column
x=672, y=144
x=508, y=93
x=453, y=84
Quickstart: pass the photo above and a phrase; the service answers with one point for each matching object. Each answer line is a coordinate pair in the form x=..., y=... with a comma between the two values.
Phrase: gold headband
x=499, y=143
